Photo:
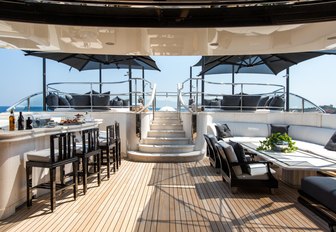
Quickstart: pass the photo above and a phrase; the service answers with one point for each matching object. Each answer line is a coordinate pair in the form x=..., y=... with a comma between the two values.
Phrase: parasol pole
x=100, y=78
x=44, y=82
x=143, y=83
x=190, y=83
x=130, y=82
x=287, y=89
x=233, y=80
x=202, y=88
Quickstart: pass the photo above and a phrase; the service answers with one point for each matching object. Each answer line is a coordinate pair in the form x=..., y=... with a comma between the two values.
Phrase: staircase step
x=166, y=133
x=166, y=121
x=162, y=140
x=165, y=157
x=166, y=126
x=166, y=148
x=166, y=114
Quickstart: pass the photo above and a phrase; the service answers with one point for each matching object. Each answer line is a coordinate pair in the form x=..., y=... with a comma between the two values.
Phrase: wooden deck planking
x=167, y=197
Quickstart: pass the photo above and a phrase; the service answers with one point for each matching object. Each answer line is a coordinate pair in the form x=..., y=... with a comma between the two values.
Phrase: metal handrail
x=23, y=100
x=197, y=94
x=151, y=101
x=53, y=87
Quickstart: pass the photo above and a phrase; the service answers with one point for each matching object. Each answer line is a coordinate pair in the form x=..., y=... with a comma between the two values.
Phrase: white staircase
x=165, y=142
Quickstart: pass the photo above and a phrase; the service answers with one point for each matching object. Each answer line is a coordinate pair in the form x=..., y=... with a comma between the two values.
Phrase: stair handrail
x=180, y=98
x=151, y=101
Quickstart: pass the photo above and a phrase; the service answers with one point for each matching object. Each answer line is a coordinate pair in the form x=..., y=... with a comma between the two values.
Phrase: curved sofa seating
x=99, y=101
x=245, y=102
x=307, y=138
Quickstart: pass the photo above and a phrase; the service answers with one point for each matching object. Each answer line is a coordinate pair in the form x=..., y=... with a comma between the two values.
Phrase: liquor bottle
x=29, y=124
x=21, y=122
x=11, y=120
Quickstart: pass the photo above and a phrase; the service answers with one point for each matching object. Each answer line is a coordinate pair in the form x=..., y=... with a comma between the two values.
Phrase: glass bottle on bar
x=29, y=124
x=21, y=122
x=11, y=120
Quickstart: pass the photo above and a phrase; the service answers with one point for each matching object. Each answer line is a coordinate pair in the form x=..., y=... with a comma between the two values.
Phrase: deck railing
x=216, y=94
x=113, y=91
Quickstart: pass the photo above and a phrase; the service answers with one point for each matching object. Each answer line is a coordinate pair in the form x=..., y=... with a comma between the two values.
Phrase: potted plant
x=278, y=142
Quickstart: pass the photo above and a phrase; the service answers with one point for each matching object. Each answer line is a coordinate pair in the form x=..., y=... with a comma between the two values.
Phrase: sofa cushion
x=101, y=101
x=231, y=156
x=81, y=101
x=331, y=145
x=207, y=103
x=258, y=172
x=277, y=103
x=117, y=101
x=316, y=149
x=52, y=101
x=310, y=134
x=262, y=101
x=223, y=131
x=41, y=155
x=246, y=129
x=250, y=102
x=279, y=129
x=230, y=102
x=215, y=103
x=62, y=101
x=322, y=189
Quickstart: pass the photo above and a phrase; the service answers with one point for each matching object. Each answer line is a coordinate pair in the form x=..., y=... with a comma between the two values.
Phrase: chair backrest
x=210, y=150
x=110, y=136
x=117, y=130
x=90, y=140
x=224, y=161
x=231, y=158
x=62, y=146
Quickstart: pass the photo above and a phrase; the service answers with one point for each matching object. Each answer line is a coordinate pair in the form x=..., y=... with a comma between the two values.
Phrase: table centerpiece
x=278, y=142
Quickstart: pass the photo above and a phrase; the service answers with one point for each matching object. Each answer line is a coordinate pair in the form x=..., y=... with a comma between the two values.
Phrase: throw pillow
x=81, y=101
x=223, y=131
x=62, y=101
x=240, y=153
x=283, y=129
x=52, y=101
x=101, y=101
x=331, y=145
x=230, y=102
x=231, y=157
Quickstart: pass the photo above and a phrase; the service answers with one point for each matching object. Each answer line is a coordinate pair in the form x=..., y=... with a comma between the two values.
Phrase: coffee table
x=295, y=165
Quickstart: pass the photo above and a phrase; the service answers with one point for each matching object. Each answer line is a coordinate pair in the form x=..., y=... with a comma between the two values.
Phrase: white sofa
x=307, y=138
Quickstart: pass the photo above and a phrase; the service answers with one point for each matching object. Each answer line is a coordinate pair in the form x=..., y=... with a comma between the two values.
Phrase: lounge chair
x=258, y=174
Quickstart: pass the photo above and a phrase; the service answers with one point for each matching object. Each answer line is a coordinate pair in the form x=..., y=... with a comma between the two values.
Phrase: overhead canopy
x=264, y=64
x=92, y=61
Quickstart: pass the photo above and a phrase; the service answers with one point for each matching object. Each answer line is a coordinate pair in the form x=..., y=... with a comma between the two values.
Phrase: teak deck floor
x=167, y=197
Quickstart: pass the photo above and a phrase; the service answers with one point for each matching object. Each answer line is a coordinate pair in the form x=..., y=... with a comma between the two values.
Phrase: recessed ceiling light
x=215, y=44
x=331, y=38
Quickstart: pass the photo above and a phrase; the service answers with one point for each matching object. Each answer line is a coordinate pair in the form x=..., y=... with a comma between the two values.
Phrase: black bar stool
x=62, y=151
x=107, y=145
x=88, y=150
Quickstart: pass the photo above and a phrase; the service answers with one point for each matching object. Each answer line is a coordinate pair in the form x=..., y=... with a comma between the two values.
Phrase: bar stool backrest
x=90, y=140
x=64, y=144
x=117, y=130
x=110, y=136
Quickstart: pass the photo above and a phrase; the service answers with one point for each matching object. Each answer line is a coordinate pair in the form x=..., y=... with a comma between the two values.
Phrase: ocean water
x=23, y=109
x=3, y=108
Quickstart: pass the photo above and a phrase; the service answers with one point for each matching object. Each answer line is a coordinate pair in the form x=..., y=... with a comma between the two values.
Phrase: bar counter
x=13, y=148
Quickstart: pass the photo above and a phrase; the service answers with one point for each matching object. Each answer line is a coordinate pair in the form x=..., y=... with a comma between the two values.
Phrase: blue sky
x=21, y=76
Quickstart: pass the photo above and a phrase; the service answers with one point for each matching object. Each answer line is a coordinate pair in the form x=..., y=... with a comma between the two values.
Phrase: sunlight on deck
x=167, y=197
